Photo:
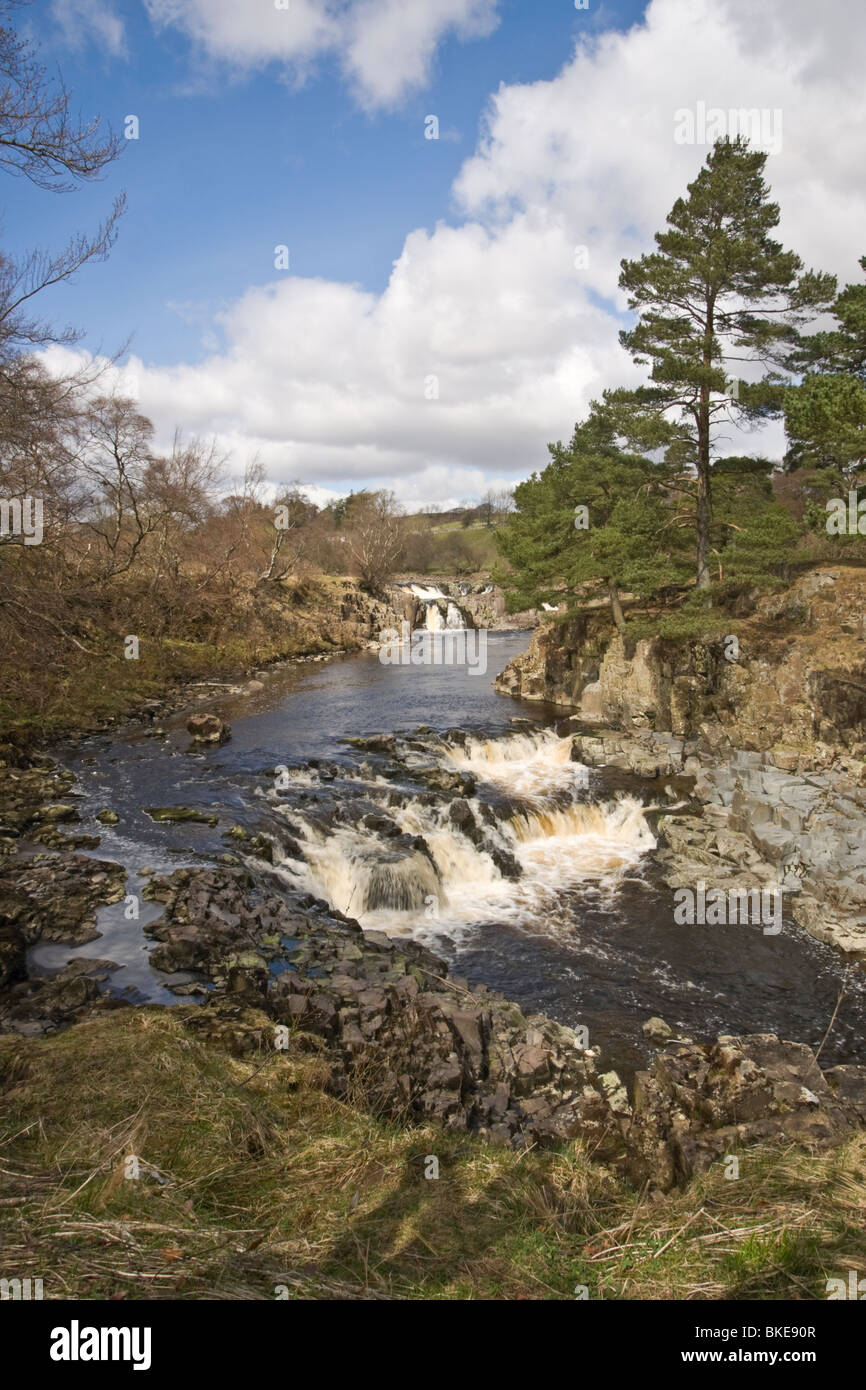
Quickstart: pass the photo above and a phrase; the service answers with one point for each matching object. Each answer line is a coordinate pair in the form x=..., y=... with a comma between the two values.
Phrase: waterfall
x=440, y=612
x=457, y=864
x=528, y=765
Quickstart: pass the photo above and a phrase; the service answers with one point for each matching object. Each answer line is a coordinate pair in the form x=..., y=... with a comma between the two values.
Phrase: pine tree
x=843, y=348
x=595, y=521
x=753, y=533
x=825, y=414
x=717, y=291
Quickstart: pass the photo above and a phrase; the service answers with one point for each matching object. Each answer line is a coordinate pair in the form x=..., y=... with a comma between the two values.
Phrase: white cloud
x=326, y=381
x=385, y=47
x=90, y=21
x=391, y=43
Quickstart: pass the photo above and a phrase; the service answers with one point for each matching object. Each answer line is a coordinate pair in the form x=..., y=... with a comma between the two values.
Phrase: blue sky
x=436, y=328
x=227, y=166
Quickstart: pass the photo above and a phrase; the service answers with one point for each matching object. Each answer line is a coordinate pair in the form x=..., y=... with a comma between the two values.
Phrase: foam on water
x=456, y=882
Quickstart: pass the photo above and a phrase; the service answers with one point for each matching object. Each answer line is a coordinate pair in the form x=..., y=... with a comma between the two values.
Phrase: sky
x=450, y=305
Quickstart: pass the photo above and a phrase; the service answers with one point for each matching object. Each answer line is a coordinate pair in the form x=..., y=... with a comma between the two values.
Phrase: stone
x=657, y=1030
x=180, y=813
x=704, y=1099
x=208, y=728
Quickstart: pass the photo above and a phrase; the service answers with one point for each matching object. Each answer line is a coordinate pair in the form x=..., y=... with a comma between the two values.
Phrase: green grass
x=269, y=1181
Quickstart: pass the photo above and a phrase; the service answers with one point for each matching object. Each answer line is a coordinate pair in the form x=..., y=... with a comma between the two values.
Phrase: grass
x=87, y=690
x=254, y=1179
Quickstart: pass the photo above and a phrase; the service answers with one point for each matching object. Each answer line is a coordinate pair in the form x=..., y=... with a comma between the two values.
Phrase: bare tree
x=292, y=513
x=488, y=507
x=504, y=502
x=115, y=459
x=374, y=537
x=40, y=138
x=21, y=280
x=177, y=490
x=43, y=141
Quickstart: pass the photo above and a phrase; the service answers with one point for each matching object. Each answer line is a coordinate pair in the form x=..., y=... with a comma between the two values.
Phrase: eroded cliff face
x=794, y=683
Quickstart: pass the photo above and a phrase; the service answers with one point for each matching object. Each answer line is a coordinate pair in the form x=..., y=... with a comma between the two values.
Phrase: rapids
x=558, y=838
x=477, y=834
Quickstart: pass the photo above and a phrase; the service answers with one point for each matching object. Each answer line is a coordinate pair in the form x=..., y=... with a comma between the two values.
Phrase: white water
x=558, y=847
x=425, y=594
x=435, y=620
x=532, y=765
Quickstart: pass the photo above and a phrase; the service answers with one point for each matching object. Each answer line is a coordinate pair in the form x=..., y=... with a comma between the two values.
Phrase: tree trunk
x=704, y=500
x=616, y=606
x=704, y=519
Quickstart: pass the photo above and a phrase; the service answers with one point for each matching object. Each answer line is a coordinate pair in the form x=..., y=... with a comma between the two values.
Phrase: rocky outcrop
x=486, y=603
x=50, y=897
x=37, y=803
x=810, y=830
x=365, y=615
x=392, y=1023
x=700, y=1104
x=397, y=1034
x=795, y=679
x=54, y=897
x=47, y=1004
x=754, y=822
x=401, y=1036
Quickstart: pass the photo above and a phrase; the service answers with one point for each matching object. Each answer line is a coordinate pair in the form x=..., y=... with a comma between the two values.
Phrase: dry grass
x=75, y=691
x=252, y=1178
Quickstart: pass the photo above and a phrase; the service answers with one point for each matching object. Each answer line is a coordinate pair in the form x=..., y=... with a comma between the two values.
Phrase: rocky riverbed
x=416, y=1045
x=399, y=1034
x=750, y=822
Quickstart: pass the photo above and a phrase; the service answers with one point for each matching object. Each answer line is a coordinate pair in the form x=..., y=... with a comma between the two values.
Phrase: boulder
x=703, y=1101
x=208, y=728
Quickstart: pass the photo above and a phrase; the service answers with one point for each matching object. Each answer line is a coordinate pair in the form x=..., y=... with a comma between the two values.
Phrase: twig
x=835, y=1011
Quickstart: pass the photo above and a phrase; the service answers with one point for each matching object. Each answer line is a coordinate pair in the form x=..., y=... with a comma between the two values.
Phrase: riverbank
x=254, y=1182
x=383, y=1053
x=767, y=720
x=114, y=680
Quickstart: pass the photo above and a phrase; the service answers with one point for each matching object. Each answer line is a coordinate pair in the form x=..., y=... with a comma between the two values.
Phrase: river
x=584, y=932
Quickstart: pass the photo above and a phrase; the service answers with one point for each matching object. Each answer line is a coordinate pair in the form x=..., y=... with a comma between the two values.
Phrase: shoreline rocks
x=704, y=1102
x=208, y=728
x=388, y=1017
x=403, y=1038
x=751, y=823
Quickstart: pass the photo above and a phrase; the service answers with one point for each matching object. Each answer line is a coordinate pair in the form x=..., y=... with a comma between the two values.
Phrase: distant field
x=451, y=548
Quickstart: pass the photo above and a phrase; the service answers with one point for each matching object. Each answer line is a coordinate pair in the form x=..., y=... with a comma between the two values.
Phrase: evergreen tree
x=825, y=415
x=752, y=533
x=595, y=521
x=717, y=291
x=843, y=348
